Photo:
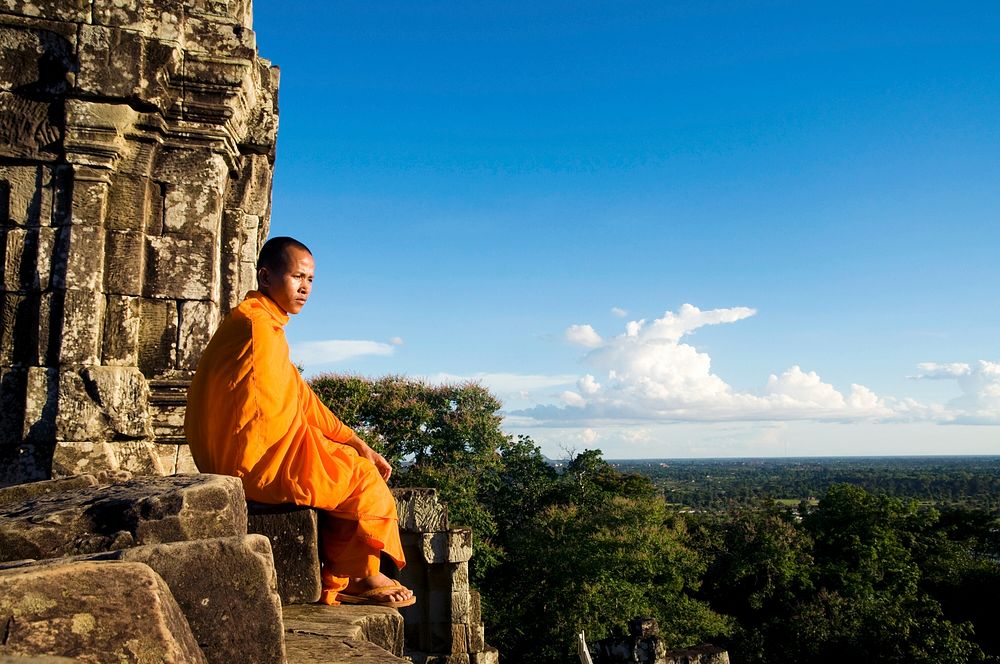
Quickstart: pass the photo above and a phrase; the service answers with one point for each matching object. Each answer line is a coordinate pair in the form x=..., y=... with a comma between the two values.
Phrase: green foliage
x=848, y=583
x=856, y=576
x=587, y=549
x=604, y=550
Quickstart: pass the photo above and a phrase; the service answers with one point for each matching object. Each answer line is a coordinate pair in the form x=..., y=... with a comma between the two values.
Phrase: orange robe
x=250, y=414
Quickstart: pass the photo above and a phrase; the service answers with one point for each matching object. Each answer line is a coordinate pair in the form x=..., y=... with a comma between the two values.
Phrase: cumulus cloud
x=650, y=372
x=979, y=402
x=310, y=353
x=619, y=312
x=583, y=335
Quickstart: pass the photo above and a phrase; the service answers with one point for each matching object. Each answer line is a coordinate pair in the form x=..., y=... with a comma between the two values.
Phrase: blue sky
x=798, y=200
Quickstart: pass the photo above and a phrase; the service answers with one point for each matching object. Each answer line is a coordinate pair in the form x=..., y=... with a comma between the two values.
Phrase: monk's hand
x=381, y=465
x=364, y=450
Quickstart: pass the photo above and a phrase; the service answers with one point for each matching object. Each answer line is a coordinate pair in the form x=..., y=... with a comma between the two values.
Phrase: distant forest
x=713, y=484
x=825, y=561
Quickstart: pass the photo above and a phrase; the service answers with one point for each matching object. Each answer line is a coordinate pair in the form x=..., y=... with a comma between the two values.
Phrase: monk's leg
x=351, y=563
x=353, y=535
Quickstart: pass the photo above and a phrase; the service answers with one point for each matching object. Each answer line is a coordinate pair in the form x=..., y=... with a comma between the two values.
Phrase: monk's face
x=290, y=285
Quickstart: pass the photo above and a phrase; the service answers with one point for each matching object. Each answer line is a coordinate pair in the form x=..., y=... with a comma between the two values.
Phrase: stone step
x=320, y=634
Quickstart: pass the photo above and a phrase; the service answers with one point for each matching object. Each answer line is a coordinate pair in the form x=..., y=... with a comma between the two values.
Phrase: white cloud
x=619, y=312
x=583, y=335
x=649, y=373
x=311, y=353
x=979, y=402
x=934, y=370
x=588, y=385
x=396, y=341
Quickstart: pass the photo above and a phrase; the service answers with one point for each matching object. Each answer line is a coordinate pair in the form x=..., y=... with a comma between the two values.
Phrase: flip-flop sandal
x=369, y=597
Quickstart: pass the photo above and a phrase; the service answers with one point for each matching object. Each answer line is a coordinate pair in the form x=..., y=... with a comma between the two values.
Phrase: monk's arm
x=319, y=415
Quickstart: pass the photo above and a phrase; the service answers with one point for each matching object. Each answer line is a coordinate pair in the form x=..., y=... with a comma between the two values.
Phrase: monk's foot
x=377, y=589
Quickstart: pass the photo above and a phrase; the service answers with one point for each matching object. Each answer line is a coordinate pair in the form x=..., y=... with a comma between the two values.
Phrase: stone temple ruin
x=137, y=144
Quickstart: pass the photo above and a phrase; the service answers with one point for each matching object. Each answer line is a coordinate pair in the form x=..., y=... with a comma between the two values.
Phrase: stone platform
x=215, y=585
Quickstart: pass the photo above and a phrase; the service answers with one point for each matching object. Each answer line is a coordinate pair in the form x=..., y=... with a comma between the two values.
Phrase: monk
x=250, y=414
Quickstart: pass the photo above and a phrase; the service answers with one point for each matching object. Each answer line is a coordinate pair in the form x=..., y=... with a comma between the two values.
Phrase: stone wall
x=136, y=151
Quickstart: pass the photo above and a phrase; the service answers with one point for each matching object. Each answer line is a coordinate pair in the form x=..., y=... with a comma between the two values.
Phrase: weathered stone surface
x=157, y=337
x=198, y=320
x=102, y=403
x=292, y=531
x=381, y=626
x=135, y=457
x=28, y=491
x=488, y=656
x=433, y=658
x=125, y=262
x=226, y=589
x=147, y=510
x=122, y=322
x=452, y=546
x=35, y=659
x=181, y=267
x=420, y=511
x=114, y=612
x=83, y=311
x=317, y=649
x=131, y=135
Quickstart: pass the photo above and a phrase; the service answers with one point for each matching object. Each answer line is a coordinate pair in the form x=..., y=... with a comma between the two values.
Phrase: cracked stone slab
x=148, y=510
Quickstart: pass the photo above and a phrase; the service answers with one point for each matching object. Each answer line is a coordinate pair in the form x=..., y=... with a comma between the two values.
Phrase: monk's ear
x=263, y=277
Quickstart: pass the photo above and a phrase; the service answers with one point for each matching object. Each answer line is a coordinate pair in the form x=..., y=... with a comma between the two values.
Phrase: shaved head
x=274, y=253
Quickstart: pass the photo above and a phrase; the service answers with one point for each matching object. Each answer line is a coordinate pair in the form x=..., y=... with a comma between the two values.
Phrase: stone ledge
x=316, y=633
x=378, y=625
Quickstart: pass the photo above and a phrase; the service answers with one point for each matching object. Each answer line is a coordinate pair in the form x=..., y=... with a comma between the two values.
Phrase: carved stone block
x=124, y=611
x=40, y=403
x=125, y=265
x=76, y=11
x=90, y=199
x=130, y=203
x=30, y=490
x=19, y=329
x=452, y=546
x=450, y=575
x=103, y=403
x=122, y=321
x=419, y=510
x=38, y=56
x=85, y=257
x=487, y=656
x=195, y=185
x=126, y=64
x=477, y=637
x=147, y=18
x=251, y=194
x=218, y=36
x=198, y=321
x=226, y=589
x=83, y=311
x=148, y=510
x=25, y=194
x=181, y=267
x=294, y=536
x=157, y=336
